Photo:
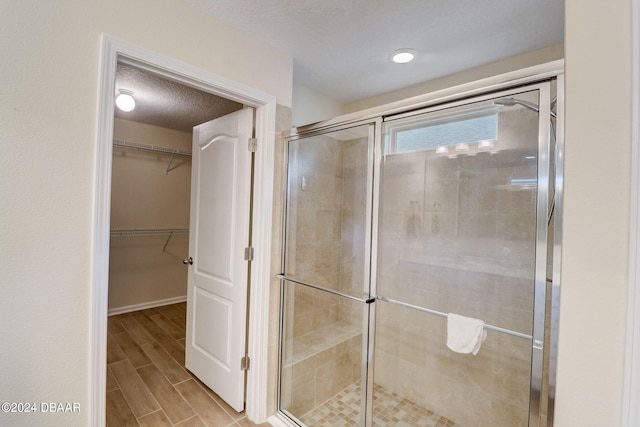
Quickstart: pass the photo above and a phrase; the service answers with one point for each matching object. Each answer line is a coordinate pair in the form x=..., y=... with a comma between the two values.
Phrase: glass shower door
x=462, y=230
x=325, y=304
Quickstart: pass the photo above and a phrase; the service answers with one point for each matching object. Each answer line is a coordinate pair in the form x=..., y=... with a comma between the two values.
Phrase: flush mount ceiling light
x=125, y=100
x=402, y=56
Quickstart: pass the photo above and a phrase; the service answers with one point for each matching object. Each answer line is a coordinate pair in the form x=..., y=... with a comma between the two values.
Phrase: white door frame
x=631, y=397
x=114, y=50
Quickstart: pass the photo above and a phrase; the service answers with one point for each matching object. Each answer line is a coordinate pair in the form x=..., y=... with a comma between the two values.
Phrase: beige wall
x=144, y=196
x=596, y=229
x=310, y=106
x=49, y=97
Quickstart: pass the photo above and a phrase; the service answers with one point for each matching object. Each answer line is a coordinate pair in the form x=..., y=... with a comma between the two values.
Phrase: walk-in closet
x=149, y=216
x=147, y=381
x=151, y=185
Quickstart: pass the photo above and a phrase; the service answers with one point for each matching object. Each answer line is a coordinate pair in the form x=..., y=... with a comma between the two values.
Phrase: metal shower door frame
x=367, y=301
x=374, y=180
x=542, y=210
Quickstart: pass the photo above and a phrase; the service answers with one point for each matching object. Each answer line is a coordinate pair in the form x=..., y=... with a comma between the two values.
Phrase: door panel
x=325, y=314
x=458, y=234
x=211, y=327
x=456, y=223
x=219, y=232
x=215, y=257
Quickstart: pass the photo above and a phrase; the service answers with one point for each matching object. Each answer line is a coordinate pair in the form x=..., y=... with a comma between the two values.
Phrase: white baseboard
x=146, y=305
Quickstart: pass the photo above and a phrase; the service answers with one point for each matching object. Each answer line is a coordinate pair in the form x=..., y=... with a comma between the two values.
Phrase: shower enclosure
x=394, y=222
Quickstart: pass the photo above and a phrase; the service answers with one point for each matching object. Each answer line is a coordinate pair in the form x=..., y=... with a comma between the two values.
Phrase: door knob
x=188, y=260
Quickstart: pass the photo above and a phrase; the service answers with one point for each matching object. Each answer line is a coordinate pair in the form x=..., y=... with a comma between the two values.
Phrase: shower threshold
x=389, y=409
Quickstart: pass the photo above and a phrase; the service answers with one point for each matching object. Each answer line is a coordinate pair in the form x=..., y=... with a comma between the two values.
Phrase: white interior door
x=219, y=233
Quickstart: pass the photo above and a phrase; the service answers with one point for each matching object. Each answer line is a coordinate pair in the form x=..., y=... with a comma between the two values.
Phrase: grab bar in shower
x=441, y=314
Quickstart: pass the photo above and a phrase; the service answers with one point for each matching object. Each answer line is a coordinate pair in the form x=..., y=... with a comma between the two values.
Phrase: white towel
x=465, y=334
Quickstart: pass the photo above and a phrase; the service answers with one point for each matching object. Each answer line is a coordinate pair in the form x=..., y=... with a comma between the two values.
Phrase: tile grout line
x=151, y=363
x=187, y=419
x=134, y=321
x=205, y=390
x=182, y=382
x=162, y=372
x=148, y=389
x=197, y=414
x=220, y=406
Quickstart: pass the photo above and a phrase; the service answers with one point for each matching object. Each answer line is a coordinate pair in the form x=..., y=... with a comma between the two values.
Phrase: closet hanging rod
x=441, y=314
x=149, y=147
x=149, y=232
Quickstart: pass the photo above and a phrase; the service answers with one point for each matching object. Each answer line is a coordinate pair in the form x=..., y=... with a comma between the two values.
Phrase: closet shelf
x=149, y=147
x=151, y=232
x=154, y=148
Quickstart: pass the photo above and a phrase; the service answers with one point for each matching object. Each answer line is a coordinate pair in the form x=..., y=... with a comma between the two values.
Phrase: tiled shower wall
x=456, y=239
x=353, y=223
x=314, y=241
x=323, y=344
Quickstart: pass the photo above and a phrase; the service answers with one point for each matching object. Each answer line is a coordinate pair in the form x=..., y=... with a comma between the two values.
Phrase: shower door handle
x=187, y=260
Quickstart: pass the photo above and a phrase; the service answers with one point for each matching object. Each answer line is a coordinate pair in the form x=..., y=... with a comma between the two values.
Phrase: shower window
x=448, y=133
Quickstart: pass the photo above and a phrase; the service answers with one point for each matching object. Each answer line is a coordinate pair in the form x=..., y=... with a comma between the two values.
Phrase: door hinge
x=253, y=144
x=245, y=362
x=248, y=253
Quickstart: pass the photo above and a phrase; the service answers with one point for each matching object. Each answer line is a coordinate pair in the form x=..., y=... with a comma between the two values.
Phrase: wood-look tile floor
x=147, y=383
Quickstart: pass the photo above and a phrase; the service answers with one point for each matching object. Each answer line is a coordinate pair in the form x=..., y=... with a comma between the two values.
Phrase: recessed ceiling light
x=125, y=100
x=402, y=56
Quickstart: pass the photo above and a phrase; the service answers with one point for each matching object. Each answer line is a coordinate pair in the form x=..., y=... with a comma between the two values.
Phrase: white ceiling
x=341, y=47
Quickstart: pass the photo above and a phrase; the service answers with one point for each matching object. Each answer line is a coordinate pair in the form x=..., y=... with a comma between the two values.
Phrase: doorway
x=151, y=186
x=115, y=51
x=155, y=184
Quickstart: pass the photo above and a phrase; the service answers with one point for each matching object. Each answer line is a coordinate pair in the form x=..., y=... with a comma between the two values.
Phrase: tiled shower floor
x=389, y=409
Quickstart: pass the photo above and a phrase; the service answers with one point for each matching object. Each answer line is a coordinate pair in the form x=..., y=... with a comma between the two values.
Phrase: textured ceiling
x=165, y=103
x=341, y=47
